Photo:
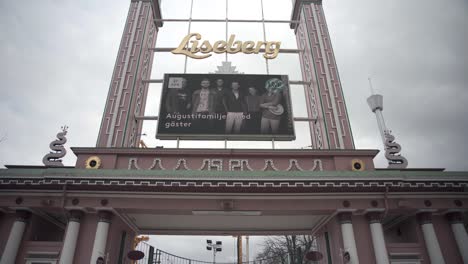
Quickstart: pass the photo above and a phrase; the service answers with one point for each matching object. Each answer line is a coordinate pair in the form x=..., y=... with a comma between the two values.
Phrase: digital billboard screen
x=225, y=106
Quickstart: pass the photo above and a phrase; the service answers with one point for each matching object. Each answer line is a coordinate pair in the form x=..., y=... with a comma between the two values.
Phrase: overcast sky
x=57, y=59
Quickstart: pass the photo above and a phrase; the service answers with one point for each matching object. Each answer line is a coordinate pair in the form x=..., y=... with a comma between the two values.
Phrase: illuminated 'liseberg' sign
x=190, y=47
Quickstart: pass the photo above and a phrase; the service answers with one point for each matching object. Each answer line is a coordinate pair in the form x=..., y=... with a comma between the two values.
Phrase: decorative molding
x=424, y=218
x=181, y=165
x=105, y=216
x=374, y=217
x=227, y=68
x=455, y=217
x=23, y=215
x=321, y=185
x=157, y=164
x=345, y=217
x=209, y=164
x=233, y=165
x=75, y=215
x=239, y=164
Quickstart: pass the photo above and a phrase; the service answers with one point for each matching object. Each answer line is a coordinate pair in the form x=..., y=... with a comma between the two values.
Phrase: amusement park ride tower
x=91, y=212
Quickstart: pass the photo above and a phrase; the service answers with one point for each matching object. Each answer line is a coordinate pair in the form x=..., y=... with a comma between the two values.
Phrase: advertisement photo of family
x=225, y=106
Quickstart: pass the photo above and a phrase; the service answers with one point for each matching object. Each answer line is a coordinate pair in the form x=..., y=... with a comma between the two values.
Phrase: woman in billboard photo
x=270, y=102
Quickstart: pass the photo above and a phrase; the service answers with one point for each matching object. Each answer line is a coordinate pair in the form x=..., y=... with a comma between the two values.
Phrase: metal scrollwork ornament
x=53, y=159
x=392, y=150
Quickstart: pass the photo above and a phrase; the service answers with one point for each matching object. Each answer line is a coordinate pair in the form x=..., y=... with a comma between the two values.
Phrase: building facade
x=91, y=212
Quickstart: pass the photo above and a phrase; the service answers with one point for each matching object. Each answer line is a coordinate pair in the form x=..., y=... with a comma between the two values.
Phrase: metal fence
x=157, y=256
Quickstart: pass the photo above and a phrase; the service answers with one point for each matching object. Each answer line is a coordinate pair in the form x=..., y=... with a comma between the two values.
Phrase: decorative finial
x=53, y=158
x=227, y=68
x=370, y=86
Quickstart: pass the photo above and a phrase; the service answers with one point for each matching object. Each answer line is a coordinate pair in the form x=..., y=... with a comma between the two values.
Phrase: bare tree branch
x=284, y=249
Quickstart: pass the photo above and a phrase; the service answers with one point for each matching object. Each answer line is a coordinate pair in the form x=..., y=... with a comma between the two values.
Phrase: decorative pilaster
x=349, y=242
x=378, y=241
x=100, y=240
x=456, y=222
x=432, y=244
x=71, y=236
x=325, y=100
x=127, y=93
x=14, y=239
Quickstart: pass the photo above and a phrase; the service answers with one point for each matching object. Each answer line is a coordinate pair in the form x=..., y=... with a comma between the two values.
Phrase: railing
x=157, y=256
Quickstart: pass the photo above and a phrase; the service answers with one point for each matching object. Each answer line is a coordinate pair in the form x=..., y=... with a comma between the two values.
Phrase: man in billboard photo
x=235, y=107
x=203, y=103
x=270, y=102
x=252, y=103
x=220, y=108
x=178, y=100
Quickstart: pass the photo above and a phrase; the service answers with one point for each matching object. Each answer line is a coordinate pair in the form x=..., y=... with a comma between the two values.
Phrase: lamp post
x=217, y=247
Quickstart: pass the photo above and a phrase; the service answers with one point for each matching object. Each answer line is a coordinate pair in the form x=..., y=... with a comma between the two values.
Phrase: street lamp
x=215, y=247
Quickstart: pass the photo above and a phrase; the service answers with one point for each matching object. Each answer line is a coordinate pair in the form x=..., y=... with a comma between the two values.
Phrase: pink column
x=15, y=238
x=378, y=240
x=349, y=242
x=126, y=99
x=71, y=237
x=430, y=238
x=325, y=100
x=459, y=232
x=100, y=240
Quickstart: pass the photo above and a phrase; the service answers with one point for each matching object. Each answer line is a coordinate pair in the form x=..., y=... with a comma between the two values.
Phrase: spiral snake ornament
x=392, y=150
x=53, y=159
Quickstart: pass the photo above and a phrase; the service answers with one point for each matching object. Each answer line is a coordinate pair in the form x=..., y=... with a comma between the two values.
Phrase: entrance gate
x=91, y=213
x=157, y=256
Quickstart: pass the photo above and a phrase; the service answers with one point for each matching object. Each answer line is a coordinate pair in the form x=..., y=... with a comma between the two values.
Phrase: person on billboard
x=235, y=108
x=220, y=109
x=270, y=102
x=203, y=104
x=253, y=117
x=178, y=100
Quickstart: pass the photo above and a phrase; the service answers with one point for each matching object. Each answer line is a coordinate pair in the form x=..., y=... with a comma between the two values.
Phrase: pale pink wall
x=446, y=239
x=336, y=240
x=114, y=239
x=86, y=238
x=405, y=232
x=363, y=239
x=6, y=222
